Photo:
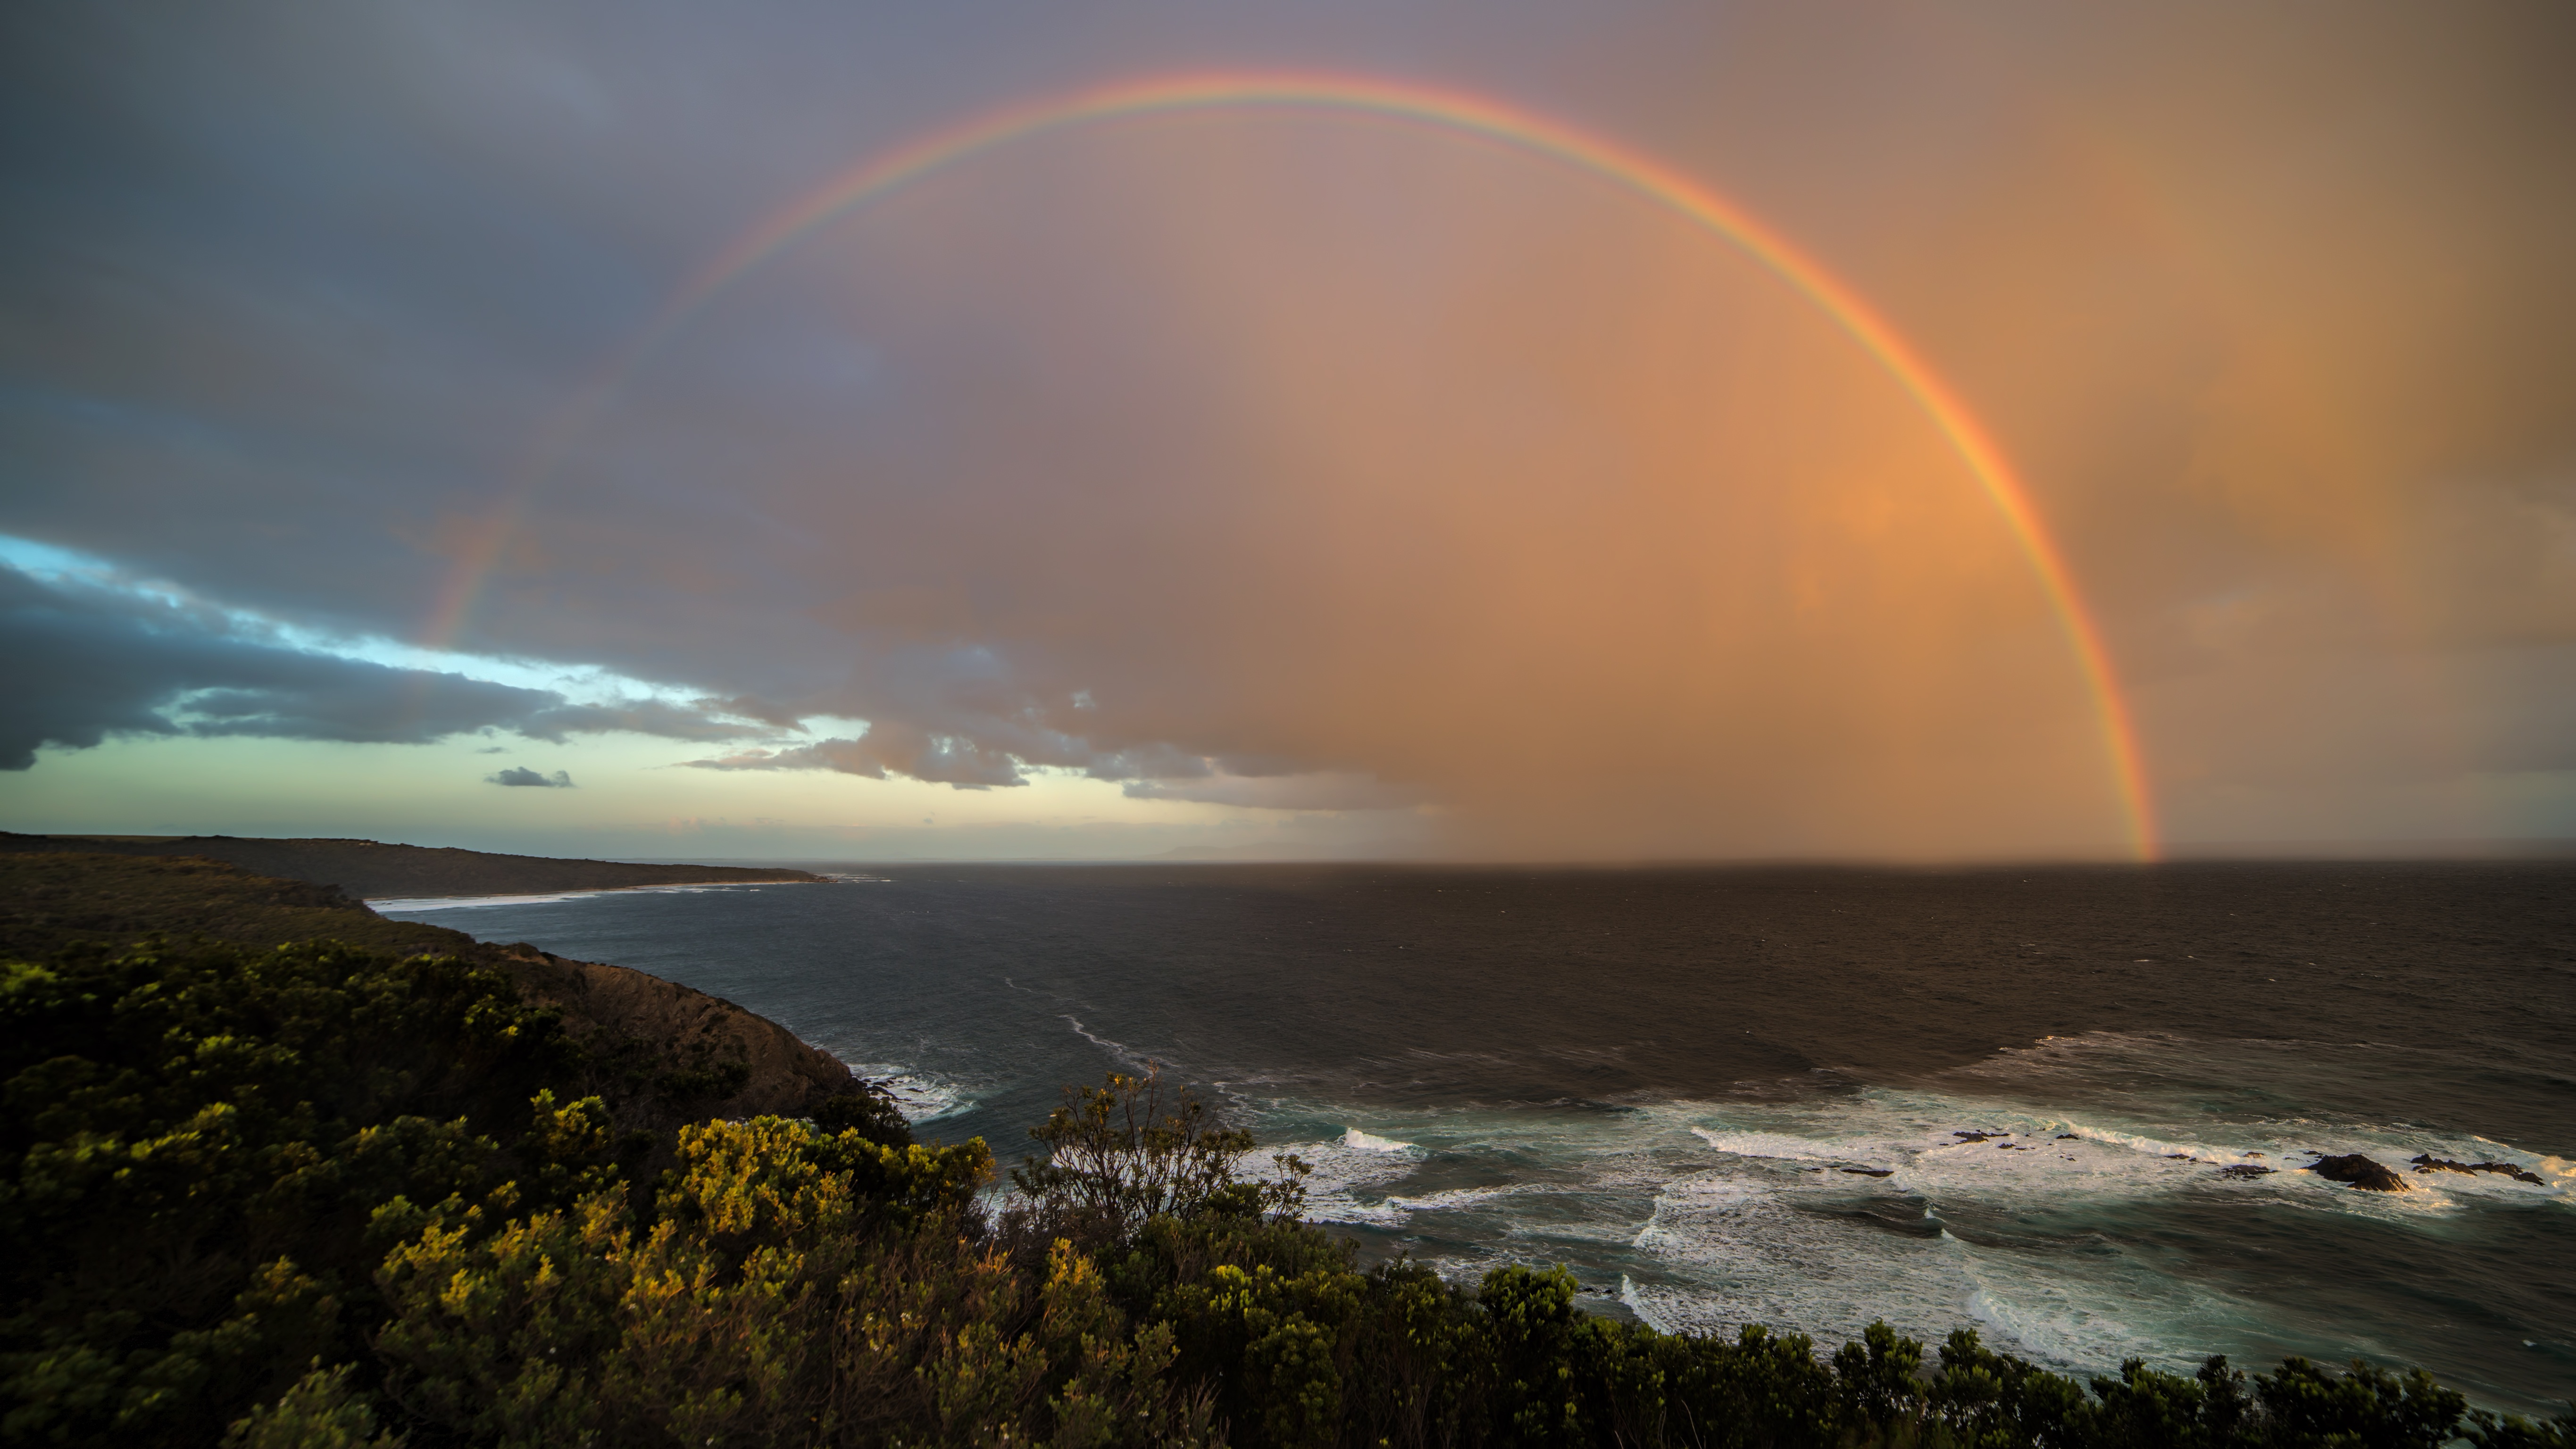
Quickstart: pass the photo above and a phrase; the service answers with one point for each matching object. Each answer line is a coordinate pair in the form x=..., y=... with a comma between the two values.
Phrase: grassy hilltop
x=49, y=900
x=396, y=1186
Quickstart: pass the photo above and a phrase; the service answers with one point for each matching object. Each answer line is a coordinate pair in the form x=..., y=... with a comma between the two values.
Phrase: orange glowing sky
x=1902, y=436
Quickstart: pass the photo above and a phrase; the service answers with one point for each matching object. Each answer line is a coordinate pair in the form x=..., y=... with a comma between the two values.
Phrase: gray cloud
x=519, y=775
x=1149, y=773
x=752, y=707
x=888, y=749
x=87, y=662
x=643, y=717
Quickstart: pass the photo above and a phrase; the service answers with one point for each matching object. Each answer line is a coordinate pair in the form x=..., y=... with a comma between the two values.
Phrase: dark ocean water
x=1724, y=1096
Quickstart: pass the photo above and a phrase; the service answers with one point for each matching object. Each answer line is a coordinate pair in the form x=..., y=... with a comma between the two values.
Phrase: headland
x=374, y=870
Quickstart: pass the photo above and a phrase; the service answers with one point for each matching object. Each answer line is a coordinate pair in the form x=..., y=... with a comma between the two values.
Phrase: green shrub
x=196, y=1139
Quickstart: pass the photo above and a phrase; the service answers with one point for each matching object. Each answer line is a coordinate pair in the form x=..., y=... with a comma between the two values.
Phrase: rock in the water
x=1979, y=1136
x=2359, y=1171
x=2245, y=1170
x=1871, y=1171
x=2426, y=1162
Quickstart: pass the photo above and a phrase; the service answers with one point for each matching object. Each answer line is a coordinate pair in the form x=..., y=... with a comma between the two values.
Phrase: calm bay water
x=1723, y=1096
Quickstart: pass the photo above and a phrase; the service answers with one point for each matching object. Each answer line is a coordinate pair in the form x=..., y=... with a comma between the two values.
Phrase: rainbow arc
x=1619, y=165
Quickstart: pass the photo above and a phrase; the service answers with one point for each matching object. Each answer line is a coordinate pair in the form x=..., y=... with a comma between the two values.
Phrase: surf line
x=1114, y=1048
x=1528, y=132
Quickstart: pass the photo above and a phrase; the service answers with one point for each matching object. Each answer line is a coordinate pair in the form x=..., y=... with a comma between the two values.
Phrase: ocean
x=2066, y=1106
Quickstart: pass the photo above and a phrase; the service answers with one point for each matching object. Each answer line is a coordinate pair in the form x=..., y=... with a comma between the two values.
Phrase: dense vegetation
x=49, y=900
x=316, y=1195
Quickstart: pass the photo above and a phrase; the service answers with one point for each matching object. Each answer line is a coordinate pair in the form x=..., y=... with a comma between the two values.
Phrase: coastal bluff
x=705, y=1056
x=373, y=870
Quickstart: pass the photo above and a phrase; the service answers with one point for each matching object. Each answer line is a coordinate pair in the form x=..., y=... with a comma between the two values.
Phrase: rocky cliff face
x=707, y=1043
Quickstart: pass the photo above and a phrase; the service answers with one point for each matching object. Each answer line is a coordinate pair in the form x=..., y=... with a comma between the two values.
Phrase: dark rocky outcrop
x=2360, y=1172
x=730, y=1062
x=1979, y=1136
x=2245, y=1171
x=2426, y=1162
x=1871, y=1171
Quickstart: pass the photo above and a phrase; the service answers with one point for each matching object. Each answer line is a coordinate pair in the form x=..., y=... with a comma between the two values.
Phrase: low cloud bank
x=1147, y=774
x=88, y=662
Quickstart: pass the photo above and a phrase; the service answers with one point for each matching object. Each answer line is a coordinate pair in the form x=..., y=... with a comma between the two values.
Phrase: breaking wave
x=2052, y=1231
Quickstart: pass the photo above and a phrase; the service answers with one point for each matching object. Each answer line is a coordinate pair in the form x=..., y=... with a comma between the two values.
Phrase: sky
x=1247, y=429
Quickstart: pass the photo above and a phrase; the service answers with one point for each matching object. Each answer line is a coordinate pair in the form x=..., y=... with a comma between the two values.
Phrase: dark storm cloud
x=559, y=780
x=84, y=663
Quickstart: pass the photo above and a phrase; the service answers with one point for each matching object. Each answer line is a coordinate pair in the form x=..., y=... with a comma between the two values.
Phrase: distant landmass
x=51, y=899
x=373, y=870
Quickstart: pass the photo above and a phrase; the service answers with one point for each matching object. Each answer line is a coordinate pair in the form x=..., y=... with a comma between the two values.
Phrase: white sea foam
x=1827, y=1254
x=1369, y=1142
x=1822, y=1215
x=1637, y=1305
x=1735, y=1249
x=1769, y=1144
x=1777, y=1234
x=2041, y=1158
x=1118, y=1050
x=422, y=905
x=1345, y=1184
x=1451, y=1198
x=919, y=1096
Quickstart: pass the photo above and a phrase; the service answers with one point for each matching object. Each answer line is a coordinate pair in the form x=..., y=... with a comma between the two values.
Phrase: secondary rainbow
x=1614, y=163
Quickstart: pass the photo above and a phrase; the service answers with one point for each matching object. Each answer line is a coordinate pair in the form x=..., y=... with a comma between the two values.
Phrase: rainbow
x=888, y=172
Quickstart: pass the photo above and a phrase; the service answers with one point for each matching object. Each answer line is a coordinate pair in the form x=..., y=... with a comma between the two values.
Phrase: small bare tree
x=1129, y=1150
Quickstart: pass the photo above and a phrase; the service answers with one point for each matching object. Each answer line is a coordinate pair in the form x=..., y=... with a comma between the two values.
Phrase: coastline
x=375, y=870
x=411, y=905
x=50, y=900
